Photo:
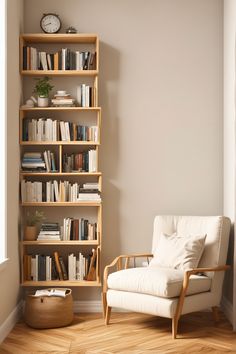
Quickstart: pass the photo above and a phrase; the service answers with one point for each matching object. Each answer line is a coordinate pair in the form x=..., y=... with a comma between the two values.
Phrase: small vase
x=43, y=101
x=30, y=233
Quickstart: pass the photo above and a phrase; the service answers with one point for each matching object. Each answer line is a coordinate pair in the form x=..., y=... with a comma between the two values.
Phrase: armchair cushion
x=157, y=281
x=175, y=251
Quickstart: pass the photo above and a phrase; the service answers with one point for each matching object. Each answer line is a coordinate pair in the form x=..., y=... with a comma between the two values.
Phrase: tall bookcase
x=57, y=211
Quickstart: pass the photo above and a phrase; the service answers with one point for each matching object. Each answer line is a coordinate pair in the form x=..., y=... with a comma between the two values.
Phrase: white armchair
x=169, y=291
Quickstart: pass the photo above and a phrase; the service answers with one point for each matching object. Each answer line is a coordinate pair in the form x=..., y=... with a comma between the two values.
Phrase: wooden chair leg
x=175, y=321
x=215, y=312
x=108, y=315
x=104, y=303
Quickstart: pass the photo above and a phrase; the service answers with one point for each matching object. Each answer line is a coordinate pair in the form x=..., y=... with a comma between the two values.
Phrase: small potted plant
x=42, y=89
x=31, y=225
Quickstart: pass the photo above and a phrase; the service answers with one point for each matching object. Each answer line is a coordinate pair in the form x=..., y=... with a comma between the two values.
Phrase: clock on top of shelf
x=50, y=23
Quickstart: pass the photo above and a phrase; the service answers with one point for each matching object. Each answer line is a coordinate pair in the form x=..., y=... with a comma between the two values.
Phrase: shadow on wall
x=109, y=101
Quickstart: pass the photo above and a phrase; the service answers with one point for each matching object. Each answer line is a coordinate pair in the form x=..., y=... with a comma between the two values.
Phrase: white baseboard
x=227, y=308
x=87, y=306
x=10, y=322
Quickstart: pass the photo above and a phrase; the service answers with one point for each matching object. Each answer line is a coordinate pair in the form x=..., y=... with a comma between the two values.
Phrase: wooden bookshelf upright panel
x=33, y=247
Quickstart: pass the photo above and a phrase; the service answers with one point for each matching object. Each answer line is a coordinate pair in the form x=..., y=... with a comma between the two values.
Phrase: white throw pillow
x=174, y=251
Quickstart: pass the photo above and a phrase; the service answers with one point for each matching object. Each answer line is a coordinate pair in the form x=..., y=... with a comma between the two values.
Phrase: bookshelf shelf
x=61, y=283
x=60, y=38
x=59, y=72
x=34, y=109
x=61, y=243
x=60, y=174
x=75, y=117
x=61, y=204
x=59, y=143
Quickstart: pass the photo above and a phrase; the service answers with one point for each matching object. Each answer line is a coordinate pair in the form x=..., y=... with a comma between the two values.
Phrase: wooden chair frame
x=118, y=263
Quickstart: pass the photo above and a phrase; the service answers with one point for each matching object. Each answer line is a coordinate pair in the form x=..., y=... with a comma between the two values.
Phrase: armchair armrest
x=187, y=275
x=118, y=263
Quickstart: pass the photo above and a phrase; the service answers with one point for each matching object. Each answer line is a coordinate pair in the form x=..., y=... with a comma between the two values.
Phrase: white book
x=48, y=192
x=54, y=130
x=56, y=191
x=83, y=95
x=67, y=130
x=45, y=155
x=43, y=59
x=39, y=193
x=79, y=96
x=87, y=96
x=63, y=131
x=63, y=58
x=52, y=192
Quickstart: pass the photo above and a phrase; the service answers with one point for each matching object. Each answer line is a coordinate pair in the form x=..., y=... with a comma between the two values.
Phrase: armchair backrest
x=216, y=228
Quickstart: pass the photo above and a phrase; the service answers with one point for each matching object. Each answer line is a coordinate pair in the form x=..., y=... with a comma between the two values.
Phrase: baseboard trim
x=87, y=306
x=10, y=322
x=227, y=308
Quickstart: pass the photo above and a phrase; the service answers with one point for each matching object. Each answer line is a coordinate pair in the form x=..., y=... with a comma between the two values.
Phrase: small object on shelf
x=71, y=30
x=49, y=311
x=31, y=227
x=63, y=99
x=50, y=23
x=42, y=89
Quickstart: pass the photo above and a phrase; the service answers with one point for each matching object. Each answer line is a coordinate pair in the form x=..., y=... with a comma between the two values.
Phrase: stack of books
x=32, y=161
x=63, y=100
x=90, y=192
x=49, y=231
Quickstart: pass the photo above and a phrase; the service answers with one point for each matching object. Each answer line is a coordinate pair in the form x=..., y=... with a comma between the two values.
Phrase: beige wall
x=229, y=139
x=9, y=276
x=161, y=97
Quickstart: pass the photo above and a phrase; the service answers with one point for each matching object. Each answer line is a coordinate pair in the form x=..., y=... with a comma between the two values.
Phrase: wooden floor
x=127, y=333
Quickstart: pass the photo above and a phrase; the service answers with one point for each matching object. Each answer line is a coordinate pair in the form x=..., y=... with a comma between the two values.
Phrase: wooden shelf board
x=59, y=143
x=59, y=72
x=62, y=204
x=25, y=109
x=59, y=283
x=59, y=37
x=61, y=243
x=23, y=173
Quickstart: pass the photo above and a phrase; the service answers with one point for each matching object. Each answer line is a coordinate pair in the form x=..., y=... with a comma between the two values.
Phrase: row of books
x=85, y=161
x=78, y=229
x=33, y=161
x=46, y=129
x=46, y=267
x=64, y=59
x=71, y=230
x=86, y=96
x=54, y=191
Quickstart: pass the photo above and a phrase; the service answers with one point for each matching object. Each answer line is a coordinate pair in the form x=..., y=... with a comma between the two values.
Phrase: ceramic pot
x=30, y=233
x=43, y=101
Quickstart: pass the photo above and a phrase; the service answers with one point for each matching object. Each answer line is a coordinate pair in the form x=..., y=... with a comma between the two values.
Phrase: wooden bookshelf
x=53, y=43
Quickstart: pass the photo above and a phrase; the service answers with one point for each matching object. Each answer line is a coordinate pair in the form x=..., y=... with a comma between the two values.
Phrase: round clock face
x=50, y=23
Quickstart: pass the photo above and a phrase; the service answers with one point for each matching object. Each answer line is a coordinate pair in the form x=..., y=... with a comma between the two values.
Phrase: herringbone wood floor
x=128, y=333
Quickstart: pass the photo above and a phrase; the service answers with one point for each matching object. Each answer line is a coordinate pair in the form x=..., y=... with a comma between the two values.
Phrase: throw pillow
x=175, y=251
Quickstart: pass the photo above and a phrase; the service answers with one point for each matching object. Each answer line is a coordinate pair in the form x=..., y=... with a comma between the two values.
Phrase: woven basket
x=49, y=311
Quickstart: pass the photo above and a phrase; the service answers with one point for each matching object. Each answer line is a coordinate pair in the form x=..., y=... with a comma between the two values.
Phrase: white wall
x=161, y=98
x=229, y=140
x=9, y=276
